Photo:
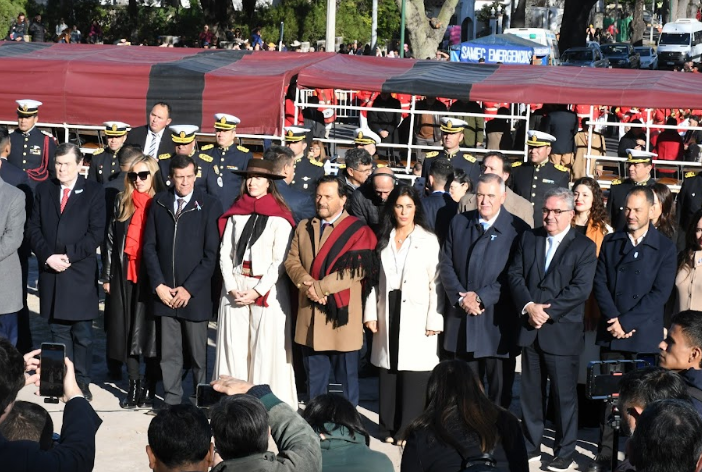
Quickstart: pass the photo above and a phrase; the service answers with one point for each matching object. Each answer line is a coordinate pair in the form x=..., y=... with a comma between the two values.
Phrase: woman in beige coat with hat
x=253, y=336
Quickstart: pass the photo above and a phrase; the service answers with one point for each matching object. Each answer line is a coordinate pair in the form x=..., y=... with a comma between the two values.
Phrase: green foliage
x=484, y=14
x=9, y=9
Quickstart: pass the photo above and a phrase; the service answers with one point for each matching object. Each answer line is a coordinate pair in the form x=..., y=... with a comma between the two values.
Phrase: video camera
x=603, y=377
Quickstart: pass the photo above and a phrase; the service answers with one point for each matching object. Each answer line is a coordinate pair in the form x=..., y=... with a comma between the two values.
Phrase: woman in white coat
x=407, y=318
x=254, y=340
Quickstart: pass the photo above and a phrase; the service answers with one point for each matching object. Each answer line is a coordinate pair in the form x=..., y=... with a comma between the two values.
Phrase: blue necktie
x=551, y=250
x=485, y=225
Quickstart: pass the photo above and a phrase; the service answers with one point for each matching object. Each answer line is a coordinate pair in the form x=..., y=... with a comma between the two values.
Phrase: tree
x=219, y=15
x=519, y=16
x=638, y=25
x=576, y=15
x=425, y=33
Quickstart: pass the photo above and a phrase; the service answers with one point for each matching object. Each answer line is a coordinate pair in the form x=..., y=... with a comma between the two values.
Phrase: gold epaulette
x=516, y=164
x=206, y=147
x=469, y=158
x=98, y=151
x=164, y=156
x=561, y=168
x=205, y=157
x=616, y=182
x=342, y=166
x=431, y=154
x=242, y=149
x=382, y=165
x=690, y=174
x=315, y=162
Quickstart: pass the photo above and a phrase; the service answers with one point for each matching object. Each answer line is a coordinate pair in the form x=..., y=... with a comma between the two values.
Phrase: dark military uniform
x=28, y=154
x=617, y=200
x=104, y=166
x=533, y=181
x=689, y=199
x=224, y=184
x=307, y=171
x=164, y=162
x=458, y=159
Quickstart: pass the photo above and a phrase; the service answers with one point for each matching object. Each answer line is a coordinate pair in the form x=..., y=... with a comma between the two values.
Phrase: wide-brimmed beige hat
x=259, y=168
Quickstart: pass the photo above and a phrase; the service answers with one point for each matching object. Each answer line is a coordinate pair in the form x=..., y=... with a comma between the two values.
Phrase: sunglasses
x=141, y=175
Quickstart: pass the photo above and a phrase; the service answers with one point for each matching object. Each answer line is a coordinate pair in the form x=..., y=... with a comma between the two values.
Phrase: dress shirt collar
x=333, y=219
x=186, y=198
x=558, y=238
x=491, y=221
x=636, y=242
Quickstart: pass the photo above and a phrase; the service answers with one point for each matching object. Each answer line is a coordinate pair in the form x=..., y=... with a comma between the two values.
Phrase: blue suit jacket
x=633, y=284
x=439, y=209
x=477, y=261
x=301, y=203
x=75, y=451
x=566, y=286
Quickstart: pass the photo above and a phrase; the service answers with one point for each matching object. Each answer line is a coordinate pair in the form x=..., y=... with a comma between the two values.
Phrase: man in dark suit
x=531, y=180
x=66, y=228
x=301, y=203
x=76, y=450
x=151, y=137
x=551, y=279
x=635, y=276
x=32, y=149
x=439, y=207
x=479, y=327
x=16, y=177
x=181, y=241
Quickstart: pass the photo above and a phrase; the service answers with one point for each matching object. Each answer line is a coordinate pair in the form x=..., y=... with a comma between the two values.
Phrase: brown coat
x=312, y=329
x=581, y=166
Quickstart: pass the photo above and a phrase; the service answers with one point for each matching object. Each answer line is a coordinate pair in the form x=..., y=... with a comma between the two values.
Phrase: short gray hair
x=562, y=193
x=491, y=179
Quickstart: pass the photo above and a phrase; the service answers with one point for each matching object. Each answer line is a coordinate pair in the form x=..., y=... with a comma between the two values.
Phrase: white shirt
x=491, y=221
x=557, y=240
x=333, y=220
x=150, y=136
x=637, y=241
x=69, y=187
x=177, y=197
x=399, y=256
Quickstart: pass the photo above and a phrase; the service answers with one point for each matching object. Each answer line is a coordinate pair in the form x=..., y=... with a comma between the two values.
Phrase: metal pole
x=330, y=44
x=402, y=30
x=282, y=29
x=374, y=26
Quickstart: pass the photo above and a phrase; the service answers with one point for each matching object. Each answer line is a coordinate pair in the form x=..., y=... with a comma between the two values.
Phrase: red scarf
x=247, y=205
x=135, y=233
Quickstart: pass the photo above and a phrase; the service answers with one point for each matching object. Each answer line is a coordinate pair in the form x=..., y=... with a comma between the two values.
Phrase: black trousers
x=78, y=338
x=562, y=371
x=173, y=332
x=402, y=393
x=499, y=373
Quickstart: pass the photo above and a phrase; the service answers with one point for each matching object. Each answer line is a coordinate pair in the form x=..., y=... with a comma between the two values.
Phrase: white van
x=680, y=42
x=542, y=36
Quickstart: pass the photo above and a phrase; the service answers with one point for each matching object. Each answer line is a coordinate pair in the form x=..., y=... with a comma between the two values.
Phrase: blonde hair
x=126, y=205
x=322, y=151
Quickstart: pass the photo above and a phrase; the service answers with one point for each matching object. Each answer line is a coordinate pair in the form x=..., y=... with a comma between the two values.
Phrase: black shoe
x=560, y=464
x=534, y=457
x=85, y=388
x=602, y=463
x=133, y=395
x=147, y=393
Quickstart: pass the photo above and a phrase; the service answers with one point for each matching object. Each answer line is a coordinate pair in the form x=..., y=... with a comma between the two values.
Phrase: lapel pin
x=197, y=205
x=80, y=190
x=636, y=254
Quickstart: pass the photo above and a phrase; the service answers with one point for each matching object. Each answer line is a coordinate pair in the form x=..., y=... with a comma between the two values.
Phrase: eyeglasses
x=363, y=171
x=144, y=175
x=556, y=212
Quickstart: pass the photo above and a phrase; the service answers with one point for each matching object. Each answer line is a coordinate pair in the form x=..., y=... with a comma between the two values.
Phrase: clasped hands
x=616, y=330
x=58, y=262
x=312, y=293
x=173, y=297
x=244, y=297
x=537, y=314
x=470, y=303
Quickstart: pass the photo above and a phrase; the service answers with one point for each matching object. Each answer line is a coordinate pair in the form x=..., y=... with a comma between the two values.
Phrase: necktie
x=64, y=198
x=485, y=225
x=550, y=250
x=152, y=147
x=181, y=204
x=325, y=225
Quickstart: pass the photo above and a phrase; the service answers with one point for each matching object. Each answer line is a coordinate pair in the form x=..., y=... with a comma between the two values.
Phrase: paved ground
x=122, y=437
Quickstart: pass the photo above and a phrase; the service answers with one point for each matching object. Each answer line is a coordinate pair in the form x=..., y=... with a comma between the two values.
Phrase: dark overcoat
x=633, y=284
x=77, y=232
x=476, y=261
x=183, y=252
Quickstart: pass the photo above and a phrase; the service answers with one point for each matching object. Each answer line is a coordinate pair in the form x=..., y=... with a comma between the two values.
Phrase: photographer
x=76, y=449
x=240, y=425
x=639, y=388
x=681, y=351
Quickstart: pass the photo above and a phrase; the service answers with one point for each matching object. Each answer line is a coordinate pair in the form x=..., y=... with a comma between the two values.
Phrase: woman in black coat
x=460, y=425
x=129, y=321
